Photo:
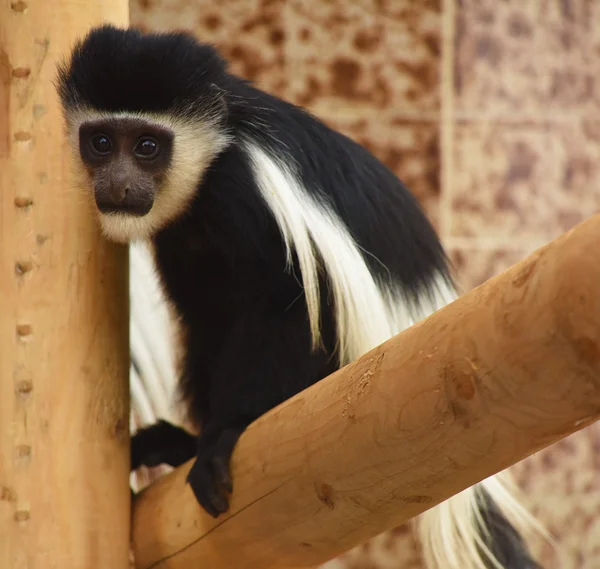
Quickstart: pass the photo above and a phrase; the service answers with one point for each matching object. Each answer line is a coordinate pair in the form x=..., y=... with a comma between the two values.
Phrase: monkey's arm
x=265, y=360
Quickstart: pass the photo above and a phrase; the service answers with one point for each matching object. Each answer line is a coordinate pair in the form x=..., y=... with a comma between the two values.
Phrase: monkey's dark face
x=128, y=159
x=142, y=169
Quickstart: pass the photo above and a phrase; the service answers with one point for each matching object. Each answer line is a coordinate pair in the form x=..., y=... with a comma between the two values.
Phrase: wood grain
x=506, y=370
x=64, y=358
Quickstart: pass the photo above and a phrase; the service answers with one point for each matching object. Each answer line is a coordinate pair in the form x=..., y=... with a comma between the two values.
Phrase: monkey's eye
x=101, y=144
x=146, y=148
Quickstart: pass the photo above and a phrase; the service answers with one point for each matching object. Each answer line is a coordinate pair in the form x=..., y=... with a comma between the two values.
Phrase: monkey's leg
x=266, y=359
x=162, y=443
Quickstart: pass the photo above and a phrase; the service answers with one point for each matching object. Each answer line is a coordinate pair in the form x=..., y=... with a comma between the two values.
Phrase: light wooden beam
x=508, y=369
x=64, y=355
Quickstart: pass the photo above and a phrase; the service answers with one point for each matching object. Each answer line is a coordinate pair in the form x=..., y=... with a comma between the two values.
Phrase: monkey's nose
x=118, y=193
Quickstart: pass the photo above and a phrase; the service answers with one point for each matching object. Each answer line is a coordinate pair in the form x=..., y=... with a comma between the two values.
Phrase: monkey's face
x=127, y=159
x=142, y=170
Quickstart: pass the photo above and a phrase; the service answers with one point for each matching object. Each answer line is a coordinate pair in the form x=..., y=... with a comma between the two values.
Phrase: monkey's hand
x=161, y=443
x=210, y=477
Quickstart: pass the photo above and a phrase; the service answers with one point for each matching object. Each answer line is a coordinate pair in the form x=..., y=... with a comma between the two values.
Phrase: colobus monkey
x=286, y=250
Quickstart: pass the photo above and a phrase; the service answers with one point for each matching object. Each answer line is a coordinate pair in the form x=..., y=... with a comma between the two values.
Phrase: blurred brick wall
x=490, y=113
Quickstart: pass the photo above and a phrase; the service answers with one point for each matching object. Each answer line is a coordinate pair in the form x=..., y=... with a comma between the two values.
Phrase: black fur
x=159, y=72
x=172, y=446
x=505, y=544
x=223, y=262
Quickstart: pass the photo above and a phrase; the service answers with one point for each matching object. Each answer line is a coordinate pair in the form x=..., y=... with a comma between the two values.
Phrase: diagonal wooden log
x=506, y=370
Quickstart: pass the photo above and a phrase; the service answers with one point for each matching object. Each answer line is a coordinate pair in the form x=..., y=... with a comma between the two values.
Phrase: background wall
x=490, y=112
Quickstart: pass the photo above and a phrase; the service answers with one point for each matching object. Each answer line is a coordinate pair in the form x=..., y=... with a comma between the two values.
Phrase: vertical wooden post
x=64, y=356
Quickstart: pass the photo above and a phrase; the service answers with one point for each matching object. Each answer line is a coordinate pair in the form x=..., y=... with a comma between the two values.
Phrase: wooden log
x=508, y=369
x=64, y=357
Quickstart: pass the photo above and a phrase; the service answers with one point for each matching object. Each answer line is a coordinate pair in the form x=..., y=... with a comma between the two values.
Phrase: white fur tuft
x=315, y=233
x=151, y=333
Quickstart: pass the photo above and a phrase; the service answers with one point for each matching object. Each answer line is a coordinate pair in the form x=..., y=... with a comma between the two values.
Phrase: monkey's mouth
x=137, y=208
